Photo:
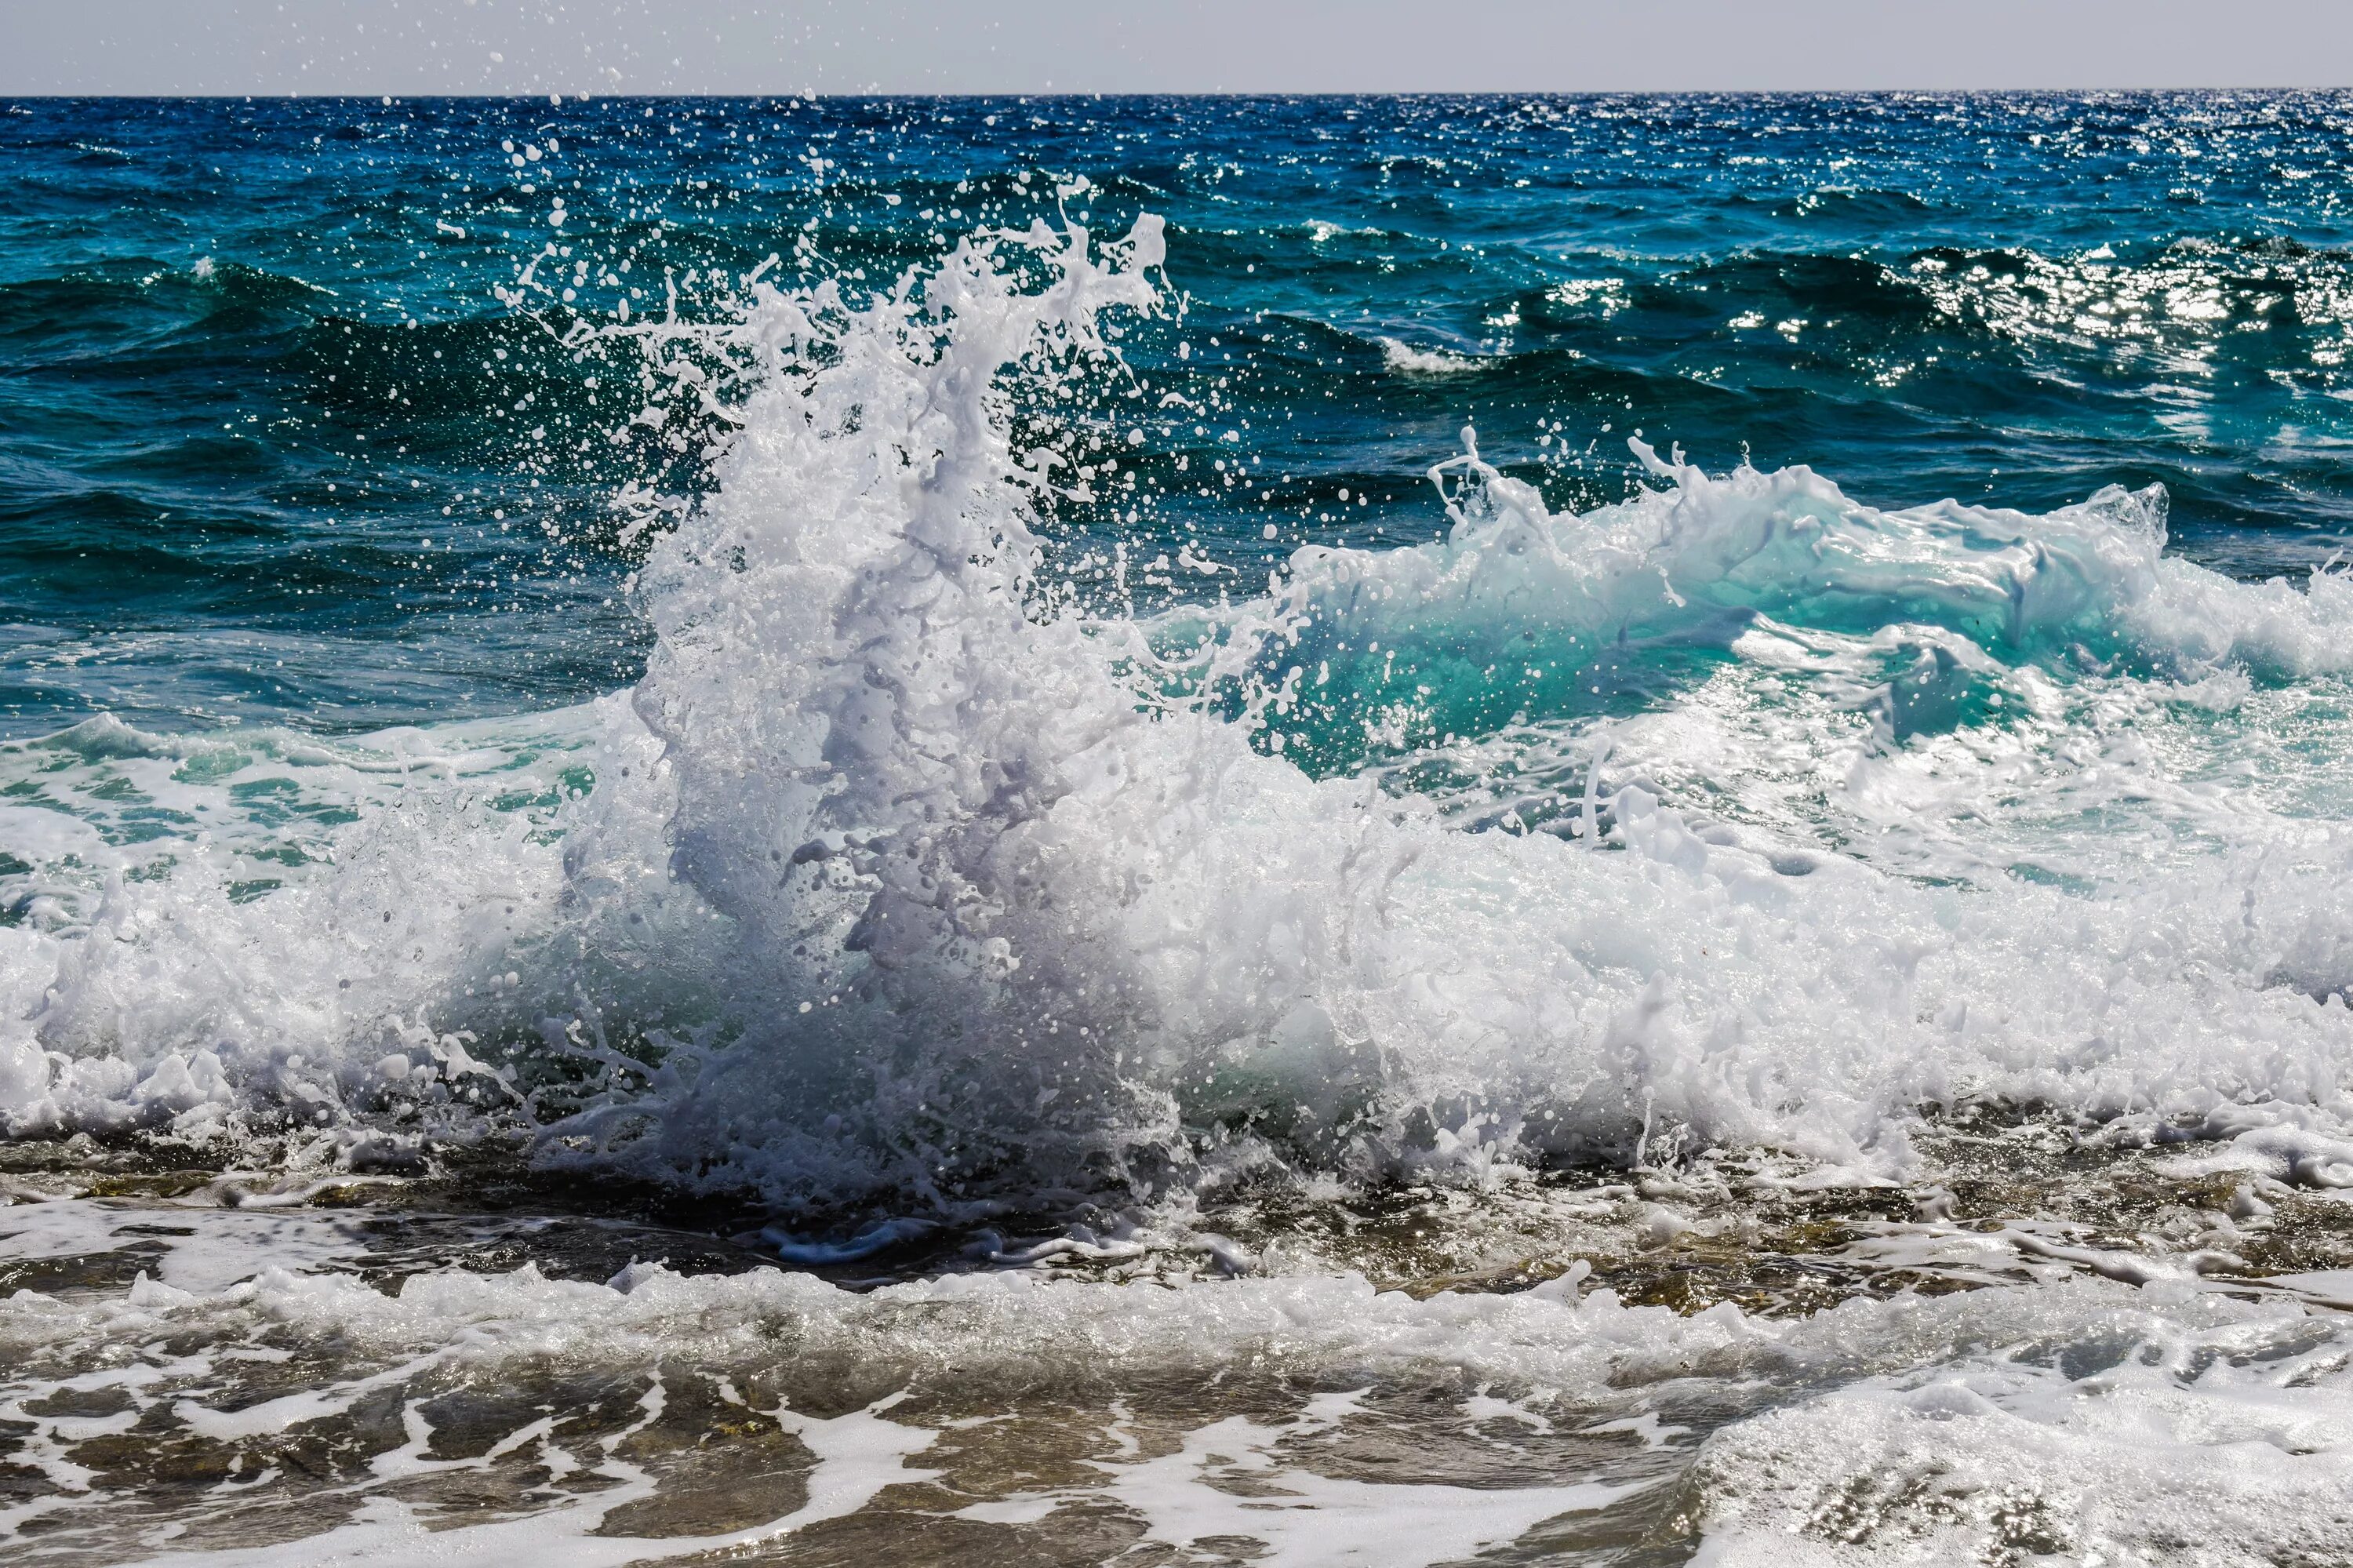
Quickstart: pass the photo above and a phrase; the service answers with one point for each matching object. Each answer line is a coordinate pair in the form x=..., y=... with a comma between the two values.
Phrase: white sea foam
x=2203, y=1448
x=2082, y=1418
x=1406, y=359
x=905, y=879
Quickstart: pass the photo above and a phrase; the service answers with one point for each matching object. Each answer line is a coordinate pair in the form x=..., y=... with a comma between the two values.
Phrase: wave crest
x=906, y=880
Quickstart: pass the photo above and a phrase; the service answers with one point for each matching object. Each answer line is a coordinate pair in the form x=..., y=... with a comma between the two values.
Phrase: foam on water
x=1130, y=1001
x=475, y=1415
x=1739, y=813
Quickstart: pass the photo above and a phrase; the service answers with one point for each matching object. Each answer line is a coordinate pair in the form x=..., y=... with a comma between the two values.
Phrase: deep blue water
x=271, y=447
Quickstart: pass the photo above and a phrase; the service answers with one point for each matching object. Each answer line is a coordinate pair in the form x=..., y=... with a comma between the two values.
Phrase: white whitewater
x=910, y=884
x=917, y=878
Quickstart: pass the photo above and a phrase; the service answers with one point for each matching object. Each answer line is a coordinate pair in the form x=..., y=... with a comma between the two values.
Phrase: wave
x=1406, y=359
x=1737, y=813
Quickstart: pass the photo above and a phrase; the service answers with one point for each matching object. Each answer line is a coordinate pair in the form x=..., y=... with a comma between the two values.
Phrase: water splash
x=909, y=878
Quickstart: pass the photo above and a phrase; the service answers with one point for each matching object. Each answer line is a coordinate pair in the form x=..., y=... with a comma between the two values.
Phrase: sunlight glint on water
x=1591, y=1022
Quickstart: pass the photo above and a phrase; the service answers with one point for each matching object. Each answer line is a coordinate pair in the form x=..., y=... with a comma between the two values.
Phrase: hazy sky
x=404, y=46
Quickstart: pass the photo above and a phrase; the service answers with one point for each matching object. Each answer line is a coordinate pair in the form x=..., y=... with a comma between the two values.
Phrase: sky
x=610, y=47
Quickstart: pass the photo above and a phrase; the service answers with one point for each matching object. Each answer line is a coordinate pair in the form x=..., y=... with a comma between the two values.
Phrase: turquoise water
x=218, y=310
x=1314, y=831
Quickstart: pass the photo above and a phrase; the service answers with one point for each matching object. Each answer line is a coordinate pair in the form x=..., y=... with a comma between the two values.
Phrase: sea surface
x=1177, y=830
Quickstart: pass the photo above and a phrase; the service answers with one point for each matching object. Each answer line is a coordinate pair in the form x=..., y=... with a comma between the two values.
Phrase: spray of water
x=909, y=878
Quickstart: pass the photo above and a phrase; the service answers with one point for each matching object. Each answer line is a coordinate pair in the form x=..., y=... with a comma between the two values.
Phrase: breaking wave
x=1737, y=813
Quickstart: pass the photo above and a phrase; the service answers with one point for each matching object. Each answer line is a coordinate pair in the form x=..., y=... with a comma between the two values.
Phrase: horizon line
x=1059, y=95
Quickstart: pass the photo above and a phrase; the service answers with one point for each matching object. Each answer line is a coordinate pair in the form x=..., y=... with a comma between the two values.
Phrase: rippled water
x=1306, y=831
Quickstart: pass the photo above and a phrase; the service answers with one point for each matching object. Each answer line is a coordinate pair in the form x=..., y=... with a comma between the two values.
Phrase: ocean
x=1603, y=830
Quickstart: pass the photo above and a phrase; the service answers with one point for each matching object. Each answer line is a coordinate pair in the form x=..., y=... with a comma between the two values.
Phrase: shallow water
x=1306, y=832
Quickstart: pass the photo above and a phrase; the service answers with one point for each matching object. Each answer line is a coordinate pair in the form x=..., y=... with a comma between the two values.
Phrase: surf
x=909, y=880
